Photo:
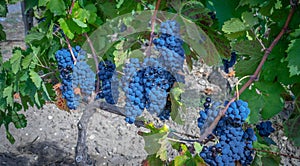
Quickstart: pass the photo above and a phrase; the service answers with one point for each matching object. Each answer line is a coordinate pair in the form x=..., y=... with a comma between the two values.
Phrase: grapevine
x=125, y=59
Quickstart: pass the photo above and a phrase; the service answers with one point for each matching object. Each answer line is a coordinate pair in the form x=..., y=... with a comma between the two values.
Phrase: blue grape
x=265, y=128
x=237, y=112
x=106, y=74
x=170, y=47
x=147, y=88
x=235, y=144
x=166, y=112
x=157, y=100
x=170, y=27
x=66, y=65
x=229, y=63
x=134, y=90
x=208, y=115
x=83, y=76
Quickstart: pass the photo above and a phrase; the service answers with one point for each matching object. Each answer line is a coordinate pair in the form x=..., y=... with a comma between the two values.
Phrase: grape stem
x=259, y=40
x=148, y=51
x=70, y=49
x=237, y=85
x=252, y=78
x=95, y=59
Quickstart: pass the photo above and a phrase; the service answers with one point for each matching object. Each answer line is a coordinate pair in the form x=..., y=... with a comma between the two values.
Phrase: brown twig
x=253, y=77
x=95, y=58
x=148, y=51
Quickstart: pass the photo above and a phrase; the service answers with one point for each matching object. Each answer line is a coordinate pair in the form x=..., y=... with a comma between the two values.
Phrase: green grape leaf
x=162, y=152
x=15, y=61
x=36, y=79
x=82, y=16
x=291, y=129
x=120, y=54
x=180, y=160
x=264, y=158
x=186, y=158
x=271, y=94
x=79, y=23
x=2, y=33
x=176, y=104
x=201, y=43
x=276, y=70
x=27, y=61
x=2, y=116
x=251, y=3
x=91, y=7
x=293, y=57
x=9, y=136
x=8, y=93
x=30, y=4
x=19, y=120
x=156, y=140
x=108, y=9
x=152, y=160
x=45, y=92
x=249, y=19
x=255, y=104
x=43, y=2
x=57, y=7
x=221, y=42
x=65, y=27
x=234, y=25
x=296, y=33
x=251, y=49
x=3, y=9
x=198, y=147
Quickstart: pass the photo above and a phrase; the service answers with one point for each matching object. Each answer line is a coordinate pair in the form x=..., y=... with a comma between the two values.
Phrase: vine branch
x=95, y=58
x=253, y=77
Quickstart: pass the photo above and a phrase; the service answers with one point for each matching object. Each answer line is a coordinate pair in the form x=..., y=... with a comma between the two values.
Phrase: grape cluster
x=170, y=47
x=208, y=115
x=229, y=63
x=148, y=88
x=265, y=128
x=237, y=113
x=105, y=74
x=147, y=84
x=235, y=144
x=66, y=66
x=83, y=76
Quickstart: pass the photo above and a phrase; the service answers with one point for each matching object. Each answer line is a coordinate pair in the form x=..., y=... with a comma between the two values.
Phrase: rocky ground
x=51, y=134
